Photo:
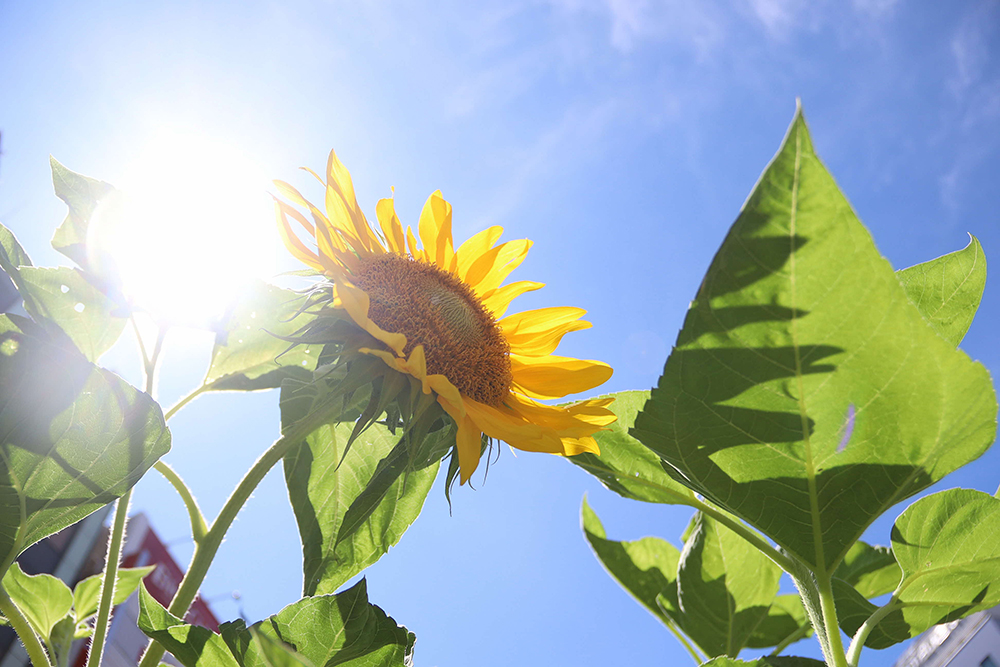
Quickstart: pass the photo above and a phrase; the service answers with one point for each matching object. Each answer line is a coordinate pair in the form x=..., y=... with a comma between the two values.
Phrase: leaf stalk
x=24, y=630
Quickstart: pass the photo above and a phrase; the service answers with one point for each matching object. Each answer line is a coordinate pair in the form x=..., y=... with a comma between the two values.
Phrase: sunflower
x=438, y=314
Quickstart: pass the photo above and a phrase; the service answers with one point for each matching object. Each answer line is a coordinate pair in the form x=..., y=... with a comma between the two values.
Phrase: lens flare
x=189, y=227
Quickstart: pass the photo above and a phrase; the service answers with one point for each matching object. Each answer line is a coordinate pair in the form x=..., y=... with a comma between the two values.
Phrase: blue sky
x=622, y=136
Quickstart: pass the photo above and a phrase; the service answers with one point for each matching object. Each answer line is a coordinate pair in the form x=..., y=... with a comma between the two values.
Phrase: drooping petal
x=555, y=377
x=468, y=441
x=499, y=299
x=568, y=421
x=292, y=242
x=355, y=301
x=505, y=424
x=537, y=333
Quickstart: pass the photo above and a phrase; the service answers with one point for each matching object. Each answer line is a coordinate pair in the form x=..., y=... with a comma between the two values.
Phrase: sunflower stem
x=24, y=630
x=206, y=549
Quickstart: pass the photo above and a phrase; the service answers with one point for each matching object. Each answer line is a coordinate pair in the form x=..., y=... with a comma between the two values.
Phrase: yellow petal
x=474, y=247
x=499, y=299
x=576, y=420
x=555, y=377
x=576, y=446
x=468, y=441
x=508, y=426
x=435, y=231
x=411, y=242
x=342, y=206
x=292, y=242
x=355, y=301
x=385, y=211
x=537, y=333
x=493, y=267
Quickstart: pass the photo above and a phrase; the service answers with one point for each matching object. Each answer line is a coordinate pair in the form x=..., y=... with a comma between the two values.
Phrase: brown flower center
x=435, y=309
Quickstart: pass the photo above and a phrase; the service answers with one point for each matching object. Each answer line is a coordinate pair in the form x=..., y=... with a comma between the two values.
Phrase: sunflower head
x=436, y=315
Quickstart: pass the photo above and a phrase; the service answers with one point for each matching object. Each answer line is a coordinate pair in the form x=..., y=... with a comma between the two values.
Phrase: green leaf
x=646, y=568
x=948, y=548
x=785, y=617
x=43, y=599
x=60, y=639
x=725, y=586
x=323, y=631
x=625, y=465
x=73, y=437
x=871, y=570
x=947, y=290
x=82, y=195
x=853, y=610
x=248, y=355
x=275, y=653
x=63, y=297
x=806, y=394
x=322, y=489
x=192, y=645
x=766, y=661
x=12, y=255
x=87, y=591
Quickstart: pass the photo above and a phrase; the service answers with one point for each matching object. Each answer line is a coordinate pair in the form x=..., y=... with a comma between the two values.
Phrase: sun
x=190, y=227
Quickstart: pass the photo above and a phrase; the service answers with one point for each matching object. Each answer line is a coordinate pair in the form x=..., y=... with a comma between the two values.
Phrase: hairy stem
x=184, y=401
x=825, y=583
x=23, y=629
x=205, y=550
x=858, y=641
x=108, y=583
x=198, y=525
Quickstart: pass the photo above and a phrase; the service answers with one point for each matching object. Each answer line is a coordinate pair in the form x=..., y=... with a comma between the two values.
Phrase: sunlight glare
x=189, y=229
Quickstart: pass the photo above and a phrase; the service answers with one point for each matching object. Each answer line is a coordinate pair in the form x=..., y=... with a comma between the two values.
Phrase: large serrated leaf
x=248, y=353
x=806, y=393
x=73, y=437
x=725, y=587
x=625, y=465
x=323, y=484
x=646, y=568
x=947, y=290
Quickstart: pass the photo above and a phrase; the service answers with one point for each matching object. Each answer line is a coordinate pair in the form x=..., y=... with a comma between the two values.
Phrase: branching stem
x=858, y=642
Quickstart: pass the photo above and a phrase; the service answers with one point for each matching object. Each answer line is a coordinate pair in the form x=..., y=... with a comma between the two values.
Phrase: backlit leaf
x=82, y=195
x=73, y=437
x=43, y=599
x=725, y=587
x=947, y=290
x=871, y=570
x=806, y=393
x=87, y=591
x=192, y=645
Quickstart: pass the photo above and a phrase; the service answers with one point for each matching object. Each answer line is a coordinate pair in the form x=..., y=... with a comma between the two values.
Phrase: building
x=973, y=641
x=78, y=552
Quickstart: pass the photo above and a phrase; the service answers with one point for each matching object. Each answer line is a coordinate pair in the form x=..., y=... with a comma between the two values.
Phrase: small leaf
x=82, y=195
x=248, y=354
x=73, y=437
x=853, y=609
x=323, y=484
x=625, y=465
x=947, y=290
x=43, y=599
x=11, y=252
x=725, y=587
x=60, y=639
x=87, y=591
x=192, y=645
x=646, y=568
x=873, y=571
